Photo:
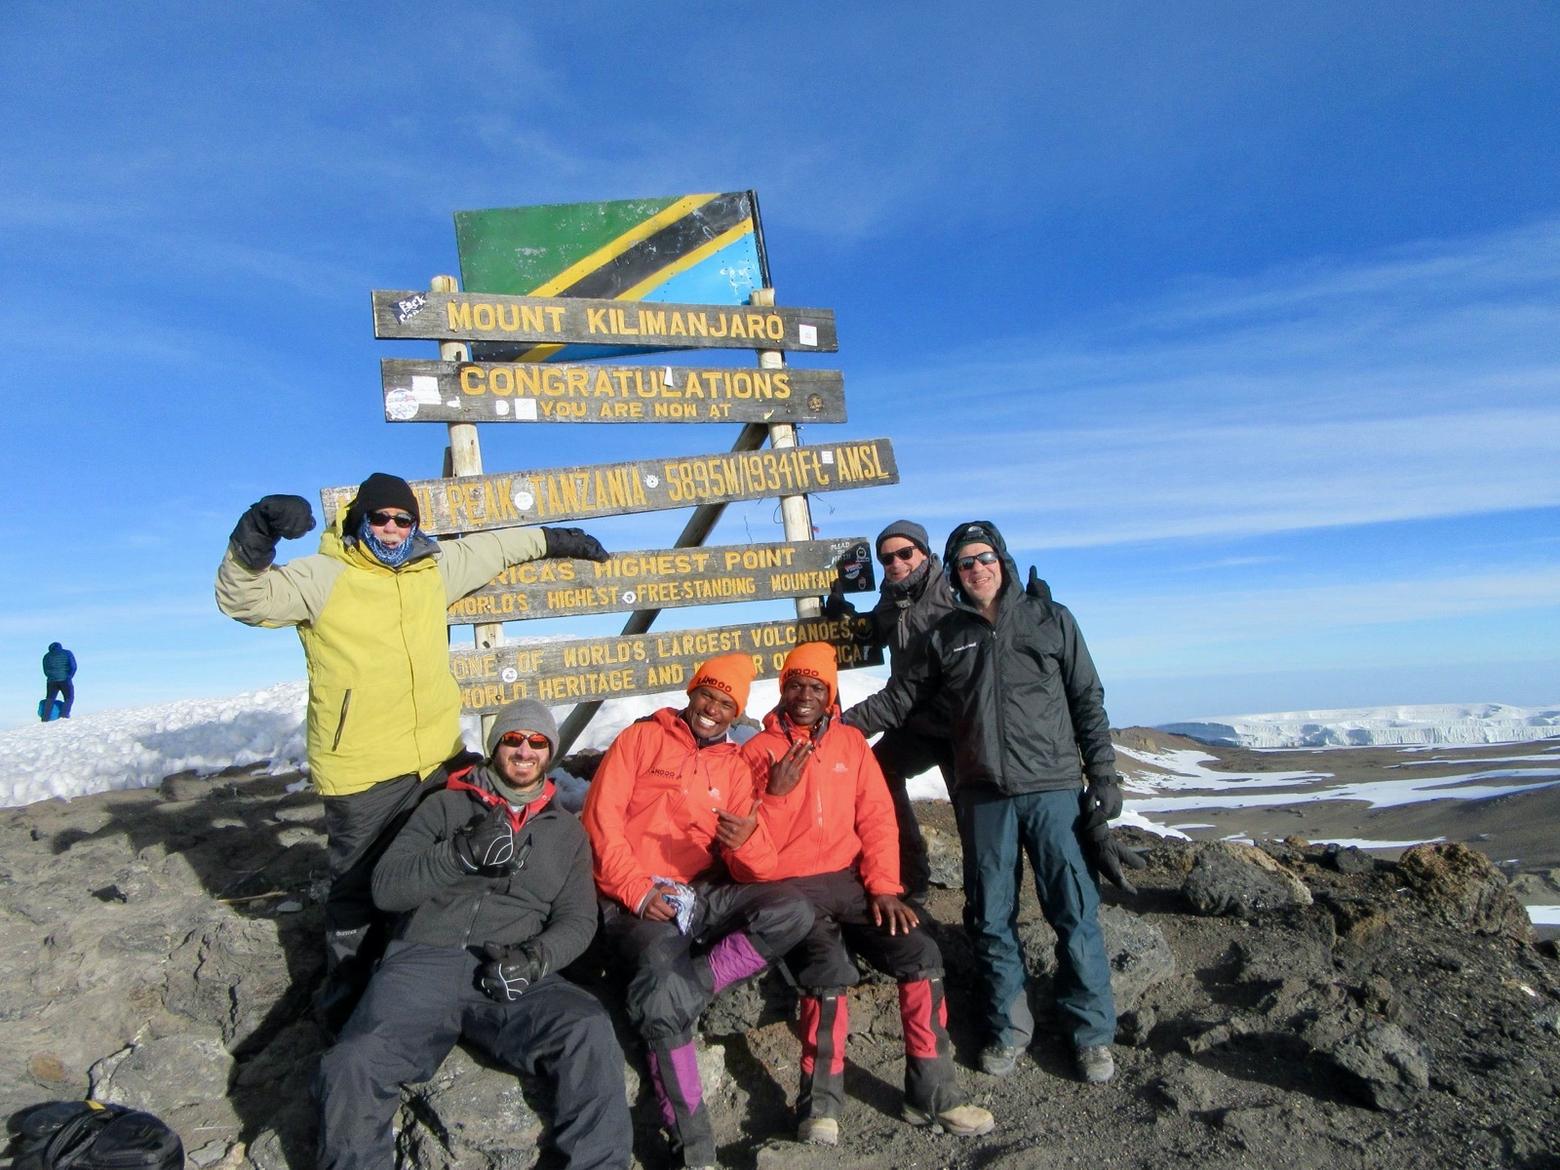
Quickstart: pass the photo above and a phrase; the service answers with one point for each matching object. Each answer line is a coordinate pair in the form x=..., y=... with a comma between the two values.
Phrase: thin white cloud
x=1274, y=407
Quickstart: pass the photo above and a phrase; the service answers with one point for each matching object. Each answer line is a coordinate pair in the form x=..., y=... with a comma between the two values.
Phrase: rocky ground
x=1283, y=1005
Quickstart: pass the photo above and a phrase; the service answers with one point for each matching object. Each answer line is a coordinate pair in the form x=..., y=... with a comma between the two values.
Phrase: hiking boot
x=961, y=1120
x=1095, y=1064
x=999, y=1060
x=819, y=1131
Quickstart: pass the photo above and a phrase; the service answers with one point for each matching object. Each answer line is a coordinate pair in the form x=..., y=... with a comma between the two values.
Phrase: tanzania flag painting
x=683, y=249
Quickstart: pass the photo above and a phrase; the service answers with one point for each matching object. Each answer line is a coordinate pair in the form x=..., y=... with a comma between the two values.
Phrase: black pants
x=358, y=830
x=670, y=986
x=903, y=754
x=420, y=1002
x=65, y=689
x=842, y=915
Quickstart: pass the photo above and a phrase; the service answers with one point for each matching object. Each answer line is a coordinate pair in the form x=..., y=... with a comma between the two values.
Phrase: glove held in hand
x=1100, y=848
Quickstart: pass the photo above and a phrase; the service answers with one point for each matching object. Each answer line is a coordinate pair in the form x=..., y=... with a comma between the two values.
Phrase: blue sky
x=1243, y=322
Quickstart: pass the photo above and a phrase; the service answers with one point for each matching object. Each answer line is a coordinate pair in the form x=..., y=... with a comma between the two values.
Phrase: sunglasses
x=536, y=739
x=385, y=519
x=985, y=558
x=901, y=554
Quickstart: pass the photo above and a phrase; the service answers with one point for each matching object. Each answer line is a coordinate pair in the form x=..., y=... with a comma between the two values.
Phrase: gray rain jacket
x=1026, y=704
x=548, y=901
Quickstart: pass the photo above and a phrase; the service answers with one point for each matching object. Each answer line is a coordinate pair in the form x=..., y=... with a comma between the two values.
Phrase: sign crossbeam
x=527, y=392
x=479, y=502
x=664, y=579
x=445, y=316
x=581, y=669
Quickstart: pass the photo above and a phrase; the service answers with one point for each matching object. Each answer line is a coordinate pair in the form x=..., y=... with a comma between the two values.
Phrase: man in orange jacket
x=828, y=816
x=671, y=806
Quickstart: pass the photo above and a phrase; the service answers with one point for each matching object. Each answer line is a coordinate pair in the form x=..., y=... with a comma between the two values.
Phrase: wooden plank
x=477, y=502
x=665, y=579
x=525, y=392
x=492, y=317
x=613, y=667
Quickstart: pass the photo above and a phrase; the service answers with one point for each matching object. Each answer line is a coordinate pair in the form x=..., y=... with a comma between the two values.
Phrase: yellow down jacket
x=382, y=701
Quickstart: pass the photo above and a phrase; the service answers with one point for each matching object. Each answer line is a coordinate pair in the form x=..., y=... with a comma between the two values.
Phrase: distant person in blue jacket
x=59, y=667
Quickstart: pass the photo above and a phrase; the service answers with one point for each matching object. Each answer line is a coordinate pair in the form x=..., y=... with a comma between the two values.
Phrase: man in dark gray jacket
x=1026, y=706
x=914, y=596
x=493, y=885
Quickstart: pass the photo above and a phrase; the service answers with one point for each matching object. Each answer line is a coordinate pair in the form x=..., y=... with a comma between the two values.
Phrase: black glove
x=1106, y=796
x=835, y=606
x=487, y=844
x=509, y=971
x=270, y=519
x=1101, y=850
x=1037, y=588
x=574, y=543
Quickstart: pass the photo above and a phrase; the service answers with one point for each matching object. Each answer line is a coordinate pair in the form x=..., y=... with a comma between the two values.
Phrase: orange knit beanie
x=730, y=674
x=815, y=660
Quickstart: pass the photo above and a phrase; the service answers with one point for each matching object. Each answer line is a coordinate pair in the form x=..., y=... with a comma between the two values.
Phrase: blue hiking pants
x=998, y=831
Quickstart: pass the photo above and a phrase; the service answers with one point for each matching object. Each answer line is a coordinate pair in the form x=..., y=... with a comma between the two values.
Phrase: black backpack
x=89, y=1135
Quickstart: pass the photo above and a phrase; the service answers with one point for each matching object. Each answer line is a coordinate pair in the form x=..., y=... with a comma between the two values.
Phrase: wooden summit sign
x=665, y=579
x=474, y=503
x=475, y=392
x=603, y=668
x=439, y=316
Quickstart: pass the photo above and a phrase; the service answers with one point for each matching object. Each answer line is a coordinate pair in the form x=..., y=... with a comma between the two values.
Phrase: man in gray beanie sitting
x=492, y=882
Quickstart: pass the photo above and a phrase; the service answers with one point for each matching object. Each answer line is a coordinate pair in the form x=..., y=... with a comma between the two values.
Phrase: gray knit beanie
x=524, y=715
x=908, y=530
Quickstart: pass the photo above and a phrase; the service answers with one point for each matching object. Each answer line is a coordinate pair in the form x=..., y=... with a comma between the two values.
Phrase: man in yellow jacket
x=384, y=710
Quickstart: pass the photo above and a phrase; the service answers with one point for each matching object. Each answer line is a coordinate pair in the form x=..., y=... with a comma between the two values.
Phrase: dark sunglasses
x=536, y=739
x=985, y=558
x=383, y=519
x=903, y=554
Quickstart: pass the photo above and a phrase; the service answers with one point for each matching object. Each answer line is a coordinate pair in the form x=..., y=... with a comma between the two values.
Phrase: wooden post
x=795, y=512
x=464, y=457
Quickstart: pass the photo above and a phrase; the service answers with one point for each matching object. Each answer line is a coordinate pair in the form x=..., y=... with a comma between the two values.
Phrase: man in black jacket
x=493, y=885
x=914, y=596
x=1026, y=704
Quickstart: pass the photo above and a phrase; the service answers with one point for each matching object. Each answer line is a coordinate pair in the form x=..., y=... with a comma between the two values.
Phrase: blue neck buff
x=392, y=558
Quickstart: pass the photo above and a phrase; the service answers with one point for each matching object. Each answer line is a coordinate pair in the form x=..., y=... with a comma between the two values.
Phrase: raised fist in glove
x=268, y=520
x=574, y=543
x=1102, y=851
x=487, y=844
x=509, y=971
x=1105, y=793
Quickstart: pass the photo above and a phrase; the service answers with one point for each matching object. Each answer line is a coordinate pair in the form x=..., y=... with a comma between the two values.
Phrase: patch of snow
x=1426, y=724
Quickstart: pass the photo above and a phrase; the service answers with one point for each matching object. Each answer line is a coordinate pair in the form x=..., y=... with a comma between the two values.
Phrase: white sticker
x=807, y=334
x=400, y=404
x=426, y=387
x=509, y=674
x=525, y=408
x=523, y=499
x=652, y=481
x=668, y=377
x=629, y=597
x=500, y=407
x=827, y=456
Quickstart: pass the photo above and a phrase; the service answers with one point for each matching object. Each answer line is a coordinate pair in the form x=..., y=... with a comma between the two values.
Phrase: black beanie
x=906, y=529
x=377, y=492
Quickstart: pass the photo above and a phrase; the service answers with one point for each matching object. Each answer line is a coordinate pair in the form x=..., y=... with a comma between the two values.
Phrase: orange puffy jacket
x=840, y=814
x=651, y=809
